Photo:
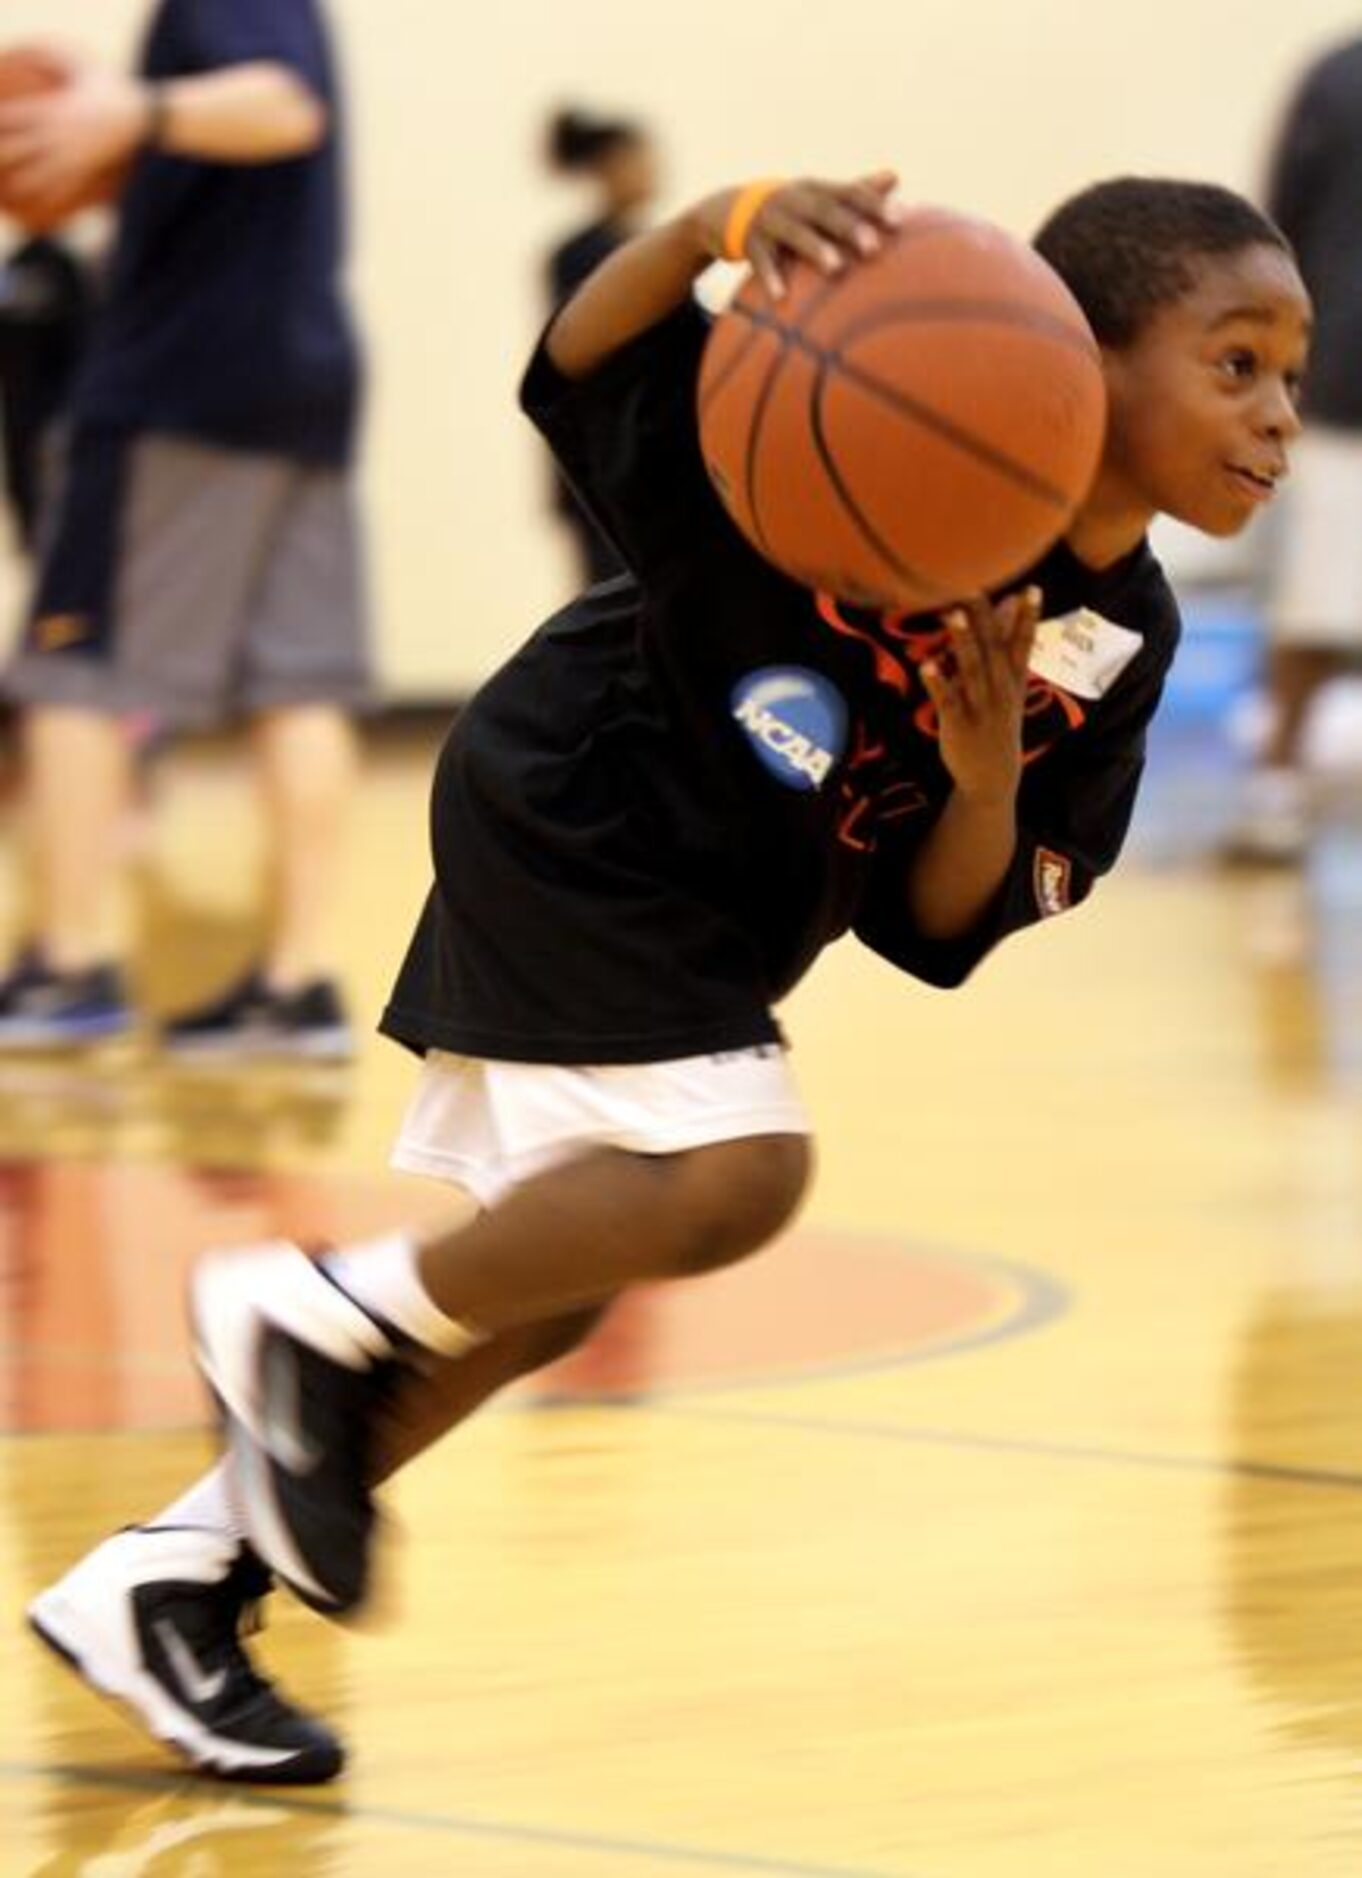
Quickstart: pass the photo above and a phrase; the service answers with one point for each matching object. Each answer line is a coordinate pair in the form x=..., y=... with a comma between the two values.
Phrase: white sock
x=381, y=1276
x=208, y=1503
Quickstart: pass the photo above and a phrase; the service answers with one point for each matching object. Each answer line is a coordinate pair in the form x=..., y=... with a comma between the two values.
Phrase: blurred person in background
x=46, y=302
x=46, y=294
x=617, y=158
x=200, y=552
x=1315, y=597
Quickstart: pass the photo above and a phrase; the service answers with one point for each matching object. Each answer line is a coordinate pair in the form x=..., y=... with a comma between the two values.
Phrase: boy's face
x=1203, y=403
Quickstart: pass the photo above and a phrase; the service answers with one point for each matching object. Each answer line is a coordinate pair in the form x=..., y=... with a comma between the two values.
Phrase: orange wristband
x=746, y=206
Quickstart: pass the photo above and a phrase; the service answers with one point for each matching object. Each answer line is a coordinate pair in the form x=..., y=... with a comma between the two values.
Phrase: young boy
x=628, y=877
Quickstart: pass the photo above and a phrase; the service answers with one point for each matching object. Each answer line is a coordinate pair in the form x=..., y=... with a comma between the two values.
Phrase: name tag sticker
x=1082, y=653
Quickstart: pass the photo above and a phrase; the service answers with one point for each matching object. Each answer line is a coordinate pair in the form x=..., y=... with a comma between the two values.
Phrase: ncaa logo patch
x=795, y=721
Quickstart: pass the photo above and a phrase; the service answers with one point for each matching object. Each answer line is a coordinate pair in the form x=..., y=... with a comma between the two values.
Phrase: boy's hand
x=979, y=690
x=823, y=223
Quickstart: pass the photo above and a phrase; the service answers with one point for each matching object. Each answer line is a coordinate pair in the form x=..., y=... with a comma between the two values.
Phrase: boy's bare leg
x=576, y=1236
x=303, y=1356
x=436, y=1399
x=154, y=1614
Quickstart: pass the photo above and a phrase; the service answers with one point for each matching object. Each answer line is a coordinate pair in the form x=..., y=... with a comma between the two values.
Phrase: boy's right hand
x=979, y=690
x=823, y=223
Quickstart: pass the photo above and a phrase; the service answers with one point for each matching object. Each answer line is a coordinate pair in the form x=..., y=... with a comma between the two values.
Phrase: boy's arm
x=991, y=865
x=611, y=386
x=978, y=691
x=634, y=288
x=961, y=864
x=649, y=277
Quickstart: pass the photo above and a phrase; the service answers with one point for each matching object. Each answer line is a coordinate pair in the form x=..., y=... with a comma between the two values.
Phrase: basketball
x=921, y=426
x=30, y=71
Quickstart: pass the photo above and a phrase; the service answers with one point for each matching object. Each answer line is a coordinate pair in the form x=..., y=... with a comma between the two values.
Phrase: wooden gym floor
x=1004, y=1522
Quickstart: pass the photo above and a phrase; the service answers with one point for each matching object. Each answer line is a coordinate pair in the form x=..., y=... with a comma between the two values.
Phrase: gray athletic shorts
x=190, y=581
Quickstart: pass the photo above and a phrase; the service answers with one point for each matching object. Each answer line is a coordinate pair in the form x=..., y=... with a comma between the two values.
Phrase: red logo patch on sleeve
x=1052, y=877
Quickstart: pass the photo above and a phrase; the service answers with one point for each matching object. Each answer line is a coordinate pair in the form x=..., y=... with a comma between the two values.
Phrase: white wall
x=1001, y=107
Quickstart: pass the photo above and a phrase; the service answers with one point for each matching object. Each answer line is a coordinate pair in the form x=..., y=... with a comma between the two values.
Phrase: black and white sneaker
x=300, y=1373
x=153, y=1618
x=251, y=1020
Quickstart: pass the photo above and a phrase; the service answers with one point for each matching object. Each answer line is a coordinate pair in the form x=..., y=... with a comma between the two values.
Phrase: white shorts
x=1316, y=589
x=488, y=1126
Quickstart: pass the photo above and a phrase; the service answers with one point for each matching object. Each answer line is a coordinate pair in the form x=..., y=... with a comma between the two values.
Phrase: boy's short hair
x=1128, y=247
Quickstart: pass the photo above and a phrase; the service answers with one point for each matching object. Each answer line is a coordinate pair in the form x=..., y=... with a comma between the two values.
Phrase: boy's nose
x=1282, y=419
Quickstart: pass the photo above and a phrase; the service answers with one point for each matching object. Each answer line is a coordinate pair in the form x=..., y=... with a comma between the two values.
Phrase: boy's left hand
x=827, y=224
x=979, y=691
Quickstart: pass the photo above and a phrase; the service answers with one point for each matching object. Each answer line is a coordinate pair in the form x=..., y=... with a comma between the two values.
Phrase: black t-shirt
x=225, y=318
x=648, y=824
x=570, y=263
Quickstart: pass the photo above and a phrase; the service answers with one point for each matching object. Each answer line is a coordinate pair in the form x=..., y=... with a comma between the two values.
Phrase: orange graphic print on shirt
x=898, y=647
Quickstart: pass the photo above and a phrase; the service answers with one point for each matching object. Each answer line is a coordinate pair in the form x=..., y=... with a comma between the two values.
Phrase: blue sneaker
x=47, y=1010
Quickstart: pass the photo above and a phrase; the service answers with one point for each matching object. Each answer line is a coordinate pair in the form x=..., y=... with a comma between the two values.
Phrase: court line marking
x=1042, y=1300
x=276, y=1800
x=1287, y=1473
x=1038, y=1300
x=1284, y=1471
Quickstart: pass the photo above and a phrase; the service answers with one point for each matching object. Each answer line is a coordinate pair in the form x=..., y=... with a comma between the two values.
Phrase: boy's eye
x=1240, y=365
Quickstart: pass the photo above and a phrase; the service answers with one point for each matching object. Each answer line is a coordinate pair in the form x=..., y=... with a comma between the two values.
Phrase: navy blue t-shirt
x=225, y=317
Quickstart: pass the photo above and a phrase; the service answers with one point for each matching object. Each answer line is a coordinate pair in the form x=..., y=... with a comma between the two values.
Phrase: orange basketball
x=922, y=426
x=26, y=72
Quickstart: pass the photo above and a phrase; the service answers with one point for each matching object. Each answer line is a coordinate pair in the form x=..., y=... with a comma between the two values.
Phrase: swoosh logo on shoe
x=198, y=1684
x=280, y=1425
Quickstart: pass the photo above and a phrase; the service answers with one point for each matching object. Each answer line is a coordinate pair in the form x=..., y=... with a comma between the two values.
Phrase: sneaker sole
x=58, y=1626
x=19, y=1034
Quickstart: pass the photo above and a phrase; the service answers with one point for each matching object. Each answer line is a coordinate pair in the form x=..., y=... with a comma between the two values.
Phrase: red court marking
x=94, y=1257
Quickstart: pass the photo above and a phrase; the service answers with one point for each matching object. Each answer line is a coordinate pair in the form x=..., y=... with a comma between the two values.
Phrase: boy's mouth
x=1260, y=484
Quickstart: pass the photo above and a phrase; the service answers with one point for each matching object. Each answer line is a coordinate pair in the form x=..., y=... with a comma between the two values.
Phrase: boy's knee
x=733, y=1197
